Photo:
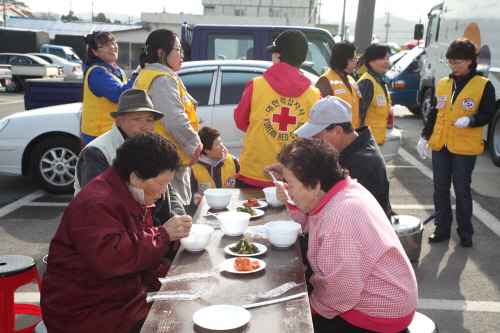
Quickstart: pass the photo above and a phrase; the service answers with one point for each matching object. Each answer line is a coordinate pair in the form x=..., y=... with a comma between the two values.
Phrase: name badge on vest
x=442, y=98
x=185, y=99
x=440, y=105
x=339, y=91
x=380, y=102
x=380, y=97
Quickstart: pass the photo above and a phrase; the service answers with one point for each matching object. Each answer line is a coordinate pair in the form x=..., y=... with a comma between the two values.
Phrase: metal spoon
x=290, y=201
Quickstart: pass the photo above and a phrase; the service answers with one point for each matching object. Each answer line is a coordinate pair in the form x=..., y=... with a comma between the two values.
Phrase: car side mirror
x=418, y=33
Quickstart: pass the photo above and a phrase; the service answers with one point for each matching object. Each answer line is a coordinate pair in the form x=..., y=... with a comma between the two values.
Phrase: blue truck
x=403, y=80
x=249, y=42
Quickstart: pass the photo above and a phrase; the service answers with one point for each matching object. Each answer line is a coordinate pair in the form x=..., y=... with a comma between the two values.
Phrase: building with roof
x=7, y=12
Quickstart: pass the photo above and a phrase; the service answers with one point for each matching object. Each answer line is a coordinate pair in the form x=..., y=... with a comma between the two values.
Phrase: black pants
x=138, y=327
x=242, y=184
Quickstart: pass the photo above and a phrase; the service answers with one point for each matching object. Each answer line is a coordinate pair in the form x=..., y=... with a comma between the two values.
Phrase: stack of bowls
x=233, y=223
x=199, y=237
x=271, y=198
x=218, y=198
x=282, y=233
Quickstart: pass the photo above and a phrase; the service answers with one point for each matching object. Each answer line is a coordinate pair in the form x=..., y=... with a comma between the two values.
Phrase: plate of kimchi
x=242, y=265
x=251, y=202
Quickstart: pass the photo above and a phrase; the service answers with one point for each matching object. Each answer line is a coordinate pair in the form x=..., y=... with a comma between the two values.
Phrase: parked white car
x=45, y=142
x=72, y=70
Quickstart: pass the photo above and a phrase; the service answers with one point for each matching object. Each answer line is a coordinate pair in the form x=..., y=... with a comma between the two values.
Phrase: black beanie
x=291, y=44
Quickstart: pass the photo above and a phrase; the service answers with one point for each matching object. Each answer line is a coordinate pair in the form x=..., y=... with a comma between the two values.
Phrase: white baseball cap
x=327, y=111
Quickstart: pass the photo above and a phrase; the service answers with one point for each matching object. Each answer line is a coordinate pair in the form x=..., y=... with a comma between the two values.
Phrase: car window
x=198, y=85
x=230, y=46
x=58, y=52
x=4, y=59
x=20, y=60
x=46, y=58
x=72, y=55
x=232, y=85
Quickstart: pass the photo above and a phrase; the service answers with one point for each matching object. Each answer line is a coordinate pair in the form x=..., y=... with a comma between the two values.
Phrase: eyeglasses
x=454, y=63
x=108, y=45
x=181, y=51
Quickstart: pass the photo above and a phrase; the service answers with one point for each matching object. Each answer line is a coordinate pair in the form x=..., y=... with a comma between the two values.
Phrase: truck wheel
x=53, y=164
x=415, y=109
x=14, y=85
x=426, y=106
x=494, y=139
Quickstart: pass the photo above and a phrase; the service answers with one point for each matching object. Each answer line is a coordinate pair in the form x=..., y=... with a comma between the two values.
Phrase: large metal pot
x=409, y=230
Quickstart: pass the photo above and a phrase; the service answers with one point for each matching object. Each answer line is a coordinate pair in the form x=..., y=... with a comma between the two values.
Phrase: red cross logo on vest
x=284, y=119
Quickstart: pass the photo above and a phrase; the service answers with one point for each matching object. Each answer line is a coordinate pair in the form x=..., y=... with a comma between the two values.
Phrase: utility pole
x=319, y=12
x=70, y=13
x=387, y=26
x=364, y=24
x=92, y=20
x=4, y=15
x=342, y=28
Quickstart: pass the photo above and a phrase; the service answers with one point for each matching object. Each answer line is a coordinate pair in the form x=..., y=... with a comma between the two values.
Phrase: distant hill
x=400, y=31
x=124, y=18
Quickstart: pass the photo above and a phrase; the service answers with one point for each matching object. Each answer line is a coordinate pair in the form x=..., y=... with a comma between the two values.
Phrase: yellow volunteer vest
x=463, y=141
x=143, y=81
x=273, y=118
x=341, y=91
x=95, y=113
x=228, y=172
x=378, y=111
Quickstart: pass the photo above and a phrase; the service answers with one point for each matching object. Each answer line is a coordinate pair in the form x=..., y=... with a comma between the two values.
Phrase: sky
x=331, y=10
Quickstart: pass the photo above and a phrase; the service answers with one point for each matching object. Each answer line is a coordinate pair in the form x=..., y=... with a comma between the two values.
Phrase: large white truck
x=477, y=20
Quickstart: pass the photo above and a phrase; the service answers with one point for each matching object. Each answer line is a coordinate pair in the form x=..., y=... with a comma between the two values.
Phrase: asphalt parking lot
x=459, y=288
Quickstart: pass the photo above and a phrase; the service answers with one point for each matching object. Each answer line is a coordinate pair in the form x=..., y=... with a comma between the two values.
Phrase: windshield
x=318, y=56
x=72, y=55
x=407, y=59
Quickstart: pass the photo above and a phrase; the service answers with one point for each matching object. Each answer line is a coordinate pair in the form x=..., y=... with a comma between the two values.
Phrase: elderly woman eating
x=361, y=277
x=106, y=254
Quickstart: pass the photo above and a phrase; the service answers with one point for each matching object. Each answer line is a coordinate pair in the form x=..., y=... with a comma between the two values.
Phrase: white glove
x=462, y=122
x=422, y=144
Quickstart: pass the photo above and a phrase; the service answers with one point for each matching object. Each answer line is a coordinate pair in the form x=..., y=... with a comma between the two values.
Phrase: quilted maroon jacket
x=104, y=256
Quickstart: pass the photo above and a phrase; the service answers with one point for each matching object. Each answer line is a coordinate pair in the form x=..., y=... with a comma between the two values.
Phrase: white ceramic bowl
x=218, y=198
x=199, y=237
x=271, y=198
x=282, y=233
x=233, y=223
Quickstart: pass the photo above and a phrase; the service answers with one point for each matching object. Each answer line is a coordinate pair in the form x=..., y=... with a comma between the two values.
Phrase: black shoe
x=466, y=242
x=434, y=238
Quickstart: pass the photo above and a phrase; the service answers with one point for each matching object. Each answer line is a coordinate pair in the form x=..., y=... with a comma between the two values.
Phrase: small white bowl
x=233, y=223
x=199, y=237
x=218, y=198
x=271, y=197
x=282, y=233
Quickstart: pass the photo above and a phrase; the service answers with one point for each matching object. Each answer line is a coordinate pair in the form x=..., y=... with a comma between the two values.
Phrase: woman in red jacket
x=106, y=254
